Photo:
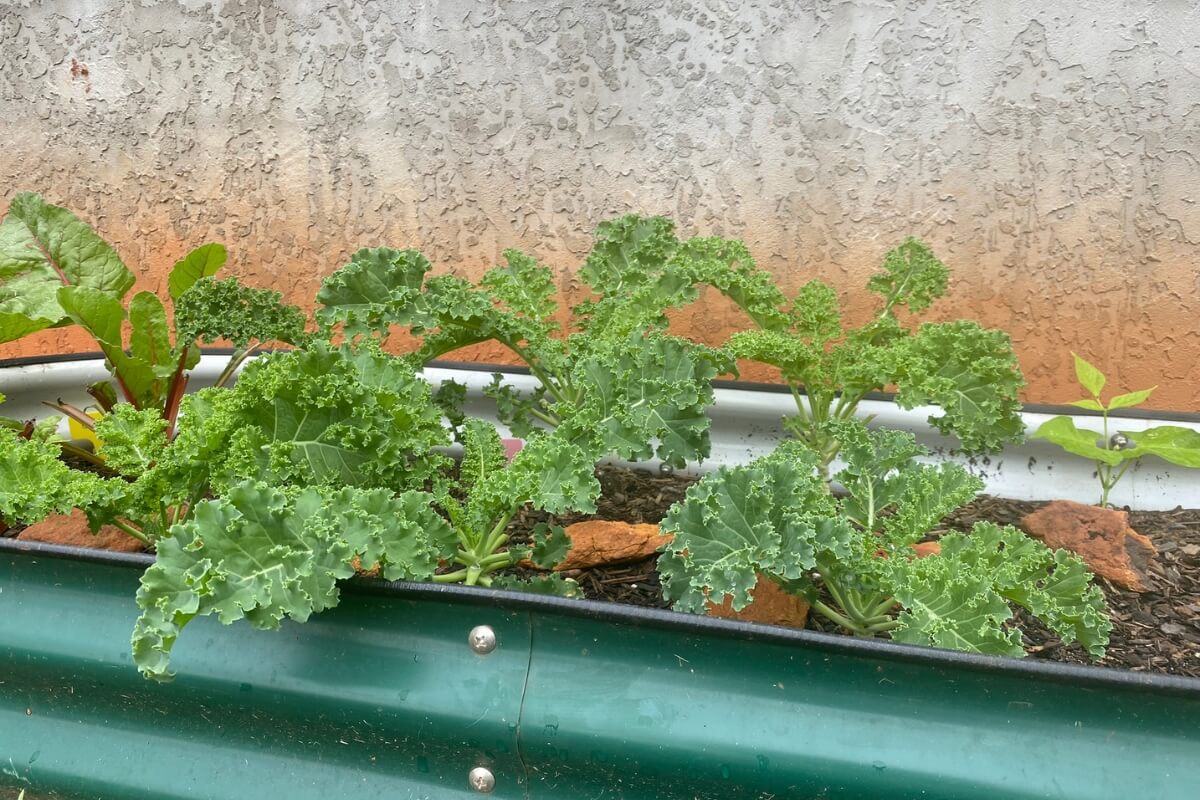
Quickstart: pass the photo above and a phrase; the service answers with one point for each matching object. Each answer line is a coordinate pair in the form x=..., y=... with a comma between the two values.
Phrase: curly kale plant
x=852, y=557
x=611, y=378
x=1115, y=454
x=967, y=370
x=55, y=270
x=315, y=461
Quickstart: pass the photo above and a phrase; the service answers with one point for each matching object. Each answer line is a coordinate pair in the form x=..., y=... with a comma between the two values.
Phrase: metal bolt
x=1119, y=441
x=482, y=780
x=483, y=641
x=666, y=469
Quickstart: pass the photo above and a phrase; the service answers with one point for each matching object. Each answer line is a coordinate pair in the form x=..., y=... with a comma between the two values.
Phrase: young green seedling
x=1115, y=453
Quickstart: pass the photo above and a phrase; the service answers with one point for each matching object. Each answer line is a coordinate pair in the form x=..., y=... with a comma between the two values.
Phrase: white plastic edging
x=746, y=424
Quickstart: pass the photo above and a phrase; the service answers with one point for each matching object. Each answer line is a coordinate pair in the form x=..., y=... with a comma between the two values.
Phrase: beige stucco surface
x=1049, y=152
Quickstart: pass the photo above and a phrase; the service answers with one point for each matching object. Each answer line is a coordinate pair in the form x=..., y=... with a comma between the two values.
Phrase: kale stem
x=545, y=417
x=496, y=560
x=236, y=360
x=882, y=627
x=834, y=616
x=450, y=577
x=842, y=600
x=882, y=607
x=132, y=531
x=496, y=537
x=803, y=412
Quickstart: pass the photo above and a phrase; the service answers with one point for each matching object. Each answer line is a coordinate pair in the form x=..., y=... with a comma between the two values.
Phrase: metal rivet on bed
x=482, y=780
x=483, y=640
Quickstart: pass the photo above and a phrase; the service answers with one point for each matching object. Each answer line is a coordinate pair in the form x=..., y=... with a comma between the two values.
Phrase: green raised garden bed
x=384, y=697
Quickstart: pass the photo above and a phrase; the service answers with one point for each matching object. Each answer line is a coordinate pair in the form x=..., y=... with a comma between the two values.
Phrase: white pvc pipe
x=746, y=424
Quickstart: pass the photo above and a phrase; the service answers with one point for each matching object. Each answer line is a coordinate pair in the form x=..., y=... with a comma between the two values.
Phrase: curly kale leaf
x=262, y=554
x=35, y=483
x=379, y=288
x=889, y=494
x=646, y=396
x=43, y=248
x=727, y=266
x=912, y=275
x=771, y=517
x=350, y=417
x=637, y=269
x=960, y=598
x=972, y=374
x=134, y=439
x=521, y=413
x=739, y=524
x=224, y=309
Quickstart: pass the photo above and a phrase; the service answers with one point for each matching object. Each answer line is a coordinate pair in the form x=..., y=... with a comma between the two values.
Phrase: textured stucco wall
x=1048, y=151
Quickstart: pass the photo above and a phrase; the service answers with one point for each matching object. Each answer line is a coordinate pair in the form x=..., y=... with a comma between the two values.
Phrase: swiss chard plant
x=55, y=270
x=968, y=371
x=611, y=376
x=852, y=556
x=1114, y=454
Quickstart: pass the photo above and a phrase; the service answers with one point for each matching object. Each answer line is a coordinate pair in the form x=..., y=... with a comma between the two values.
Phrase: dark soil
x=1157, y=631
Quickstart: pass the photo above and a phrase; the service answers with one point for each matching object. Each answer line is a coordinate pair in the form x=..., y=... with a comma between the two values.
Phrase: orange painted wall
x=1046, y=153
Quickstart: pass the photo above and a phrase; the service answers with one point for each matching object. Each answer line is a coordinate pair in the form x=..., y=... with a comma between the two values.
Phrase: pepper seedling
x=1114, y=454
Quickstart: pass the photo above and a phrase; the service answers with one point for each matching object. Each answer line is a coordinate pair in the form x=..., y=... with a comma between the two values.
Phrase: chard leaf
x=262, y=555
x=912, y=275
x=150, y=339
x=972, y=374
x=42, y=248
x=772, y=516
x=224, y=309
x=101, y=315
x=204, y=261
x=1080, y=441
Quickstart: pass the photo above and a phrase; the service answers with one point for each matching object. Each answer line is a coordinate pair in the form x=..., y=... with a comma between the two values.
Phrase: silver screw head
x=482, y=780
x=482, y=639
x=666, y=469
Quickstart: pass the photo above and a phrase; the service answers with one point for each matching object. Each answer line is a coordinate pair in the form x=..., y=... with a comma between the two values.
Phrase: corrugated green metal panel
x=383, y=698
x=380, y=698
x=638, y=713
